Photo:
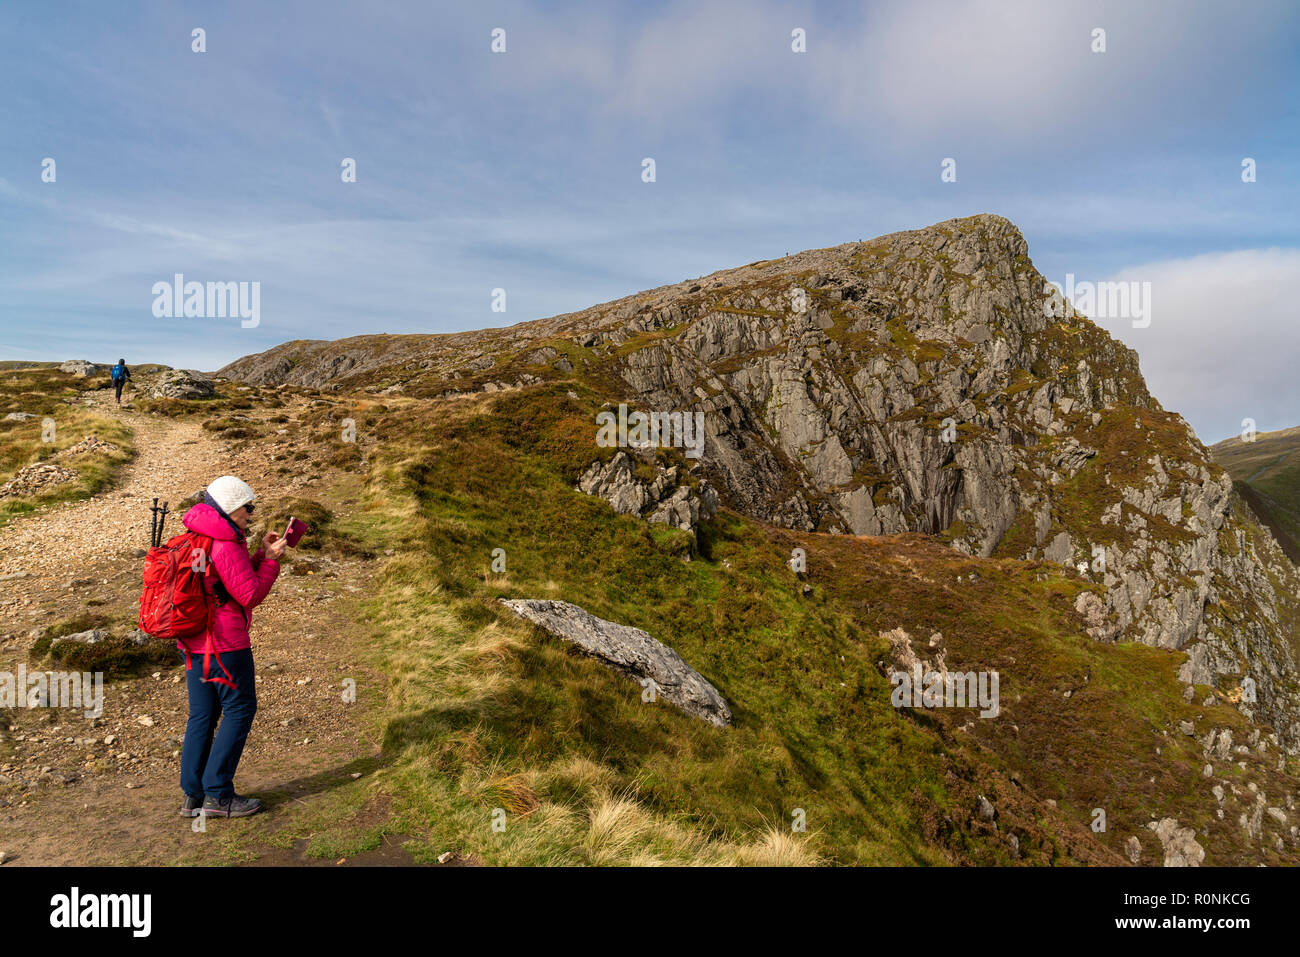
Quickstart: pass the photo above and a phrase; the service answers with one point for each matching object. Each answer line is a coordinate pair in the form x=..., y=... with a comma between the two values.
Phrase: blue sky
x=522, y=170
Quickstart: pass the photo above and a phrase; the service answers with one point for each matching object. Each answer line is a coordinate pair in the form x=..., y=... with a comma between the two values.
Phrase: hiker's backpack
x=118, y=372
x=174, y=603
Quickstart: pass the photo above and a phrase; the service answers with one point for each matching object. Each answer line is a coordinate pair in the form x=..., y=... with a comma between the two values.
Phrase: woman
x=223, y=683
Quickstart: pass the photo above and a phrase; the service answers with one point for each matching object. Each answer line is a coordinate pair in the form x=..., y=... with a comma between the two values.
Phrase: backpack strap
x=208, y=652
x=208, y=655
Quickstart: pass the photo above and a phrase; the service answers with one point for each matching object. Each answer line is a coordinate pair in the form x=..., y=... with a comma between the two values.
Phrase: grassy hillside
x=485, y=712
x=1266, y=473
x=483, y=715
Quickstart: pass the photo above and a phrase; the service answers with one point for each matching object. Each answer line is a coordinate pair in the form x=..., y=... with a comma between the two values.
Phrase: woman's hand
x=274, y=545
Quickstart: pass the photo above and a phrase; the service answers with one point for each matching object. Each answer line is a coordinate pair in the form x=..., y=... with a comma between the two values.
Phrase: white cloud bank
x=1224, y=340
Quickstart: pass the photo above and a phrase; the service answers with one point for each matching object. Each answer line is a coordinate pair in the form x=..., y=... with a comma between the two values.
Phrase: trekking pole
x=153, y=524
x=162, y=518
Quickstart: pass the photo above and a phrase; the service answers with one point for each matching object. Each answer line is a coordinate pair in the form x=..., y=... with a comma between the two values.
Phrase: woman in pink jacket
x=223, y=685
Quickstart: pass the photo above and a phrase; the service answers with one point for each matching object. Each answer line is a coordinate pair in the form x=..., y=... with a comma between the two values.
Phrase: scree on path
x=75, y=790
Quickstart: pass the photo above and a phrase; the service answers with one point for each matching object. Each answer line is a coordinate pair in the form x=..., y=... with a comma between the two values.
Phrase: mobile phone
x=296, y=530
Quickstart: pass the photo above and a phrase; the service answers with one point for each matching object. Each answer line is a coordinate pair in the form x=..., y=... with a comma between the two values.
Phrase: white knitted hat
x=230, y=493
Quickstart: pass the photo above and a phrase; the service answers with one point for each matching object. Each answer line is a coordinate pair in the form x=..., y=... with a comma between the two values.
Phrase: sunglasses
x=249, y=508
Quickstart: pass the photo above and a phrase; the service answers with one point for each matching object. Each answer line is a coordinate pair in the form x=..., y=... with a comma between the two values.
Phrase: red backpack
x=174, y=603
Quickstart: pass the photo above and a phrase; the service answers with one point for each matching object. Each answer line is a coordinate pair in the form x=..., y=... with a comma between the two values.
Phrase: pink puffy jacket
x=247, y=580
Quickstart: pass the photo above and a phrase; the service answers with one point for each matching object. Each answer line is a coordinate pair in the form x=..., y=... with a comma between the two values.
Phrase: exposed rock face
x=666, y=498
x=1096, y=620
x=904, y=658
x=316, y=363
x=183, y=384
x=79, y=367
x=1133, y=849
x=895, y=398
x=924, y=381
x=1180, y=846
x=19, y=416
x=631, y=651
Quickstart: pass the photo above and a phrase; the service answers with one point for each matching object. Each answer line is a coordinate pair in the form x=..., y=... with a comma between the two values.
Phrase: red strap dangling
x=209, y=654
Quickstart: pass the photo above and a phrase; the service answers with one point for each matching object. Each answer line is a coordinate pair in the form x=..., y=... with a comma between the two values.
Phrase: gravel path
x=95, y=791
x=174, y=460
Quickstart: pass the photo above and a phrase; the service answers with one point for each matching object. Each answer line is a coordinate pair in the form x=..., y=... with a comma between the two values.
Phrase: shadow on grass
x=322, y=781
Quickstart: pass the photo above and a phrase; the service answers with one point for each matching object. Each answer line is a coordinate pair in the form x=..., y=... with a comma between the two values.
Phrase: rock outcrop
x=1179, y=843
x=650, y=663
x=667, y=497
x=79, y=367
x=931, y=381
x=183, y=384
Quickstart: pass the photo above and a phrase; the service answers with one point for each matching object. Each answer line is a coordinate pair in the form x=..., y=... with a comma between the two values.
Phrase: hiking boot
x=234, y=806
x=191, y=806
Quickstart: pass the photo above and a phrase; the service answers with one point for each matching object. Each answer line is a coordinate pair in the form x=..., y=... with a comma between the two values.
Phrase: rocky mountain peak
x=924, y=381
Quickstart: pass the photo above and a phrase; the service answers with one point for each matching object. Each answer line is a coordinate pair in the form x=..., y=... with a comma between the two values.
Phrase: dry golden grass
x=622, y=831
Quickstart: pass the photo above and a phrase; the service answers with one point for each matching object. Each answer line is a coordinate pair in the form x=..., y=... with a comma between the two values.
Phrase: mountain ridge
x=1266, y=474
x=924, y=381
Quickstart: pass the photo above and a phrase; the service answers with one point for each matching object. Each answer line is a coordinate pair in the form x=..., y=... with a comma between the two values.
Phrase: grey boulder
x=183, y=384
x=92, y=637
x=631, y=651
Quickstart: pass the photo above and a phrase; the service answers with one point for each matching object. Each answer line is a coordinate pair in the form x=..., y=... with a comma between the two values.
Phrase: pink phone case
x=294, y=532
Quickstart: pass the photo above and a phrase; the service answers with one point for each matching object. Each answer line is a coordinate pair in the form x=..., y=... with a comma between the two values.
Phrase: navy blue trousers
x=208, y=761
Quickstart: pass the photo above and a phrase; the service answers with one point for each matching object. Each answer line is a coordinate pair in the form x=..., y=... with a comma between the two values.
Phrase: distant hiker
x=120, y=374
x=223, y=684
